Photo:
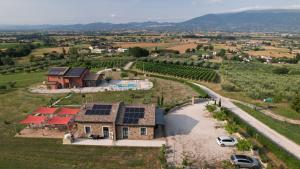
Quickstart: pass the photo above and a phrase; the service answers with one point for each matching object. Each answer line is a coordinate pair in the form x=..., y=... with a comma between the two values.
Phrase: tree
x=188, y=50
x=211, y=47
x=138, y=52
x=221, y=53
x=199, y=46
x=296, y=103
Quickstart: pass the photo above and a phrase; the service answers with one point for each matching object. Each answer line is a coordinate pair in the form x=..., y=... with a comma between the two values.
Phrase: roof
x=57, y=71
x=148, y=118
x=110, y=118
x=57, y=120
x=45, y=110
x=33, y=120
x=75, y=72
x=68, y=111
x=92, y=76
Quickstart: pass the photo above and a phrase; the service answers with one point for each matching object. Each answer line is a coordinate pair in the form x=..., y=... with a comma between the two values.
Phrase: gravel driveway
x=191, y=130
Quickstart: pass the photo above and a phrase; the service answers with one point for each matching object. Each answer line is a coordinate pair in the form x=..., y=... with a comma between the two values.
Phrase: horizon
x=33, y=12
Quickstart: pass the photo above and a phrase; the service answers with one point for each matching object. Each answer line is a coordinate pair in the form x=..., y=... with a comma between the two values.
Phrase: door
x=125, y=132
x=105, y=132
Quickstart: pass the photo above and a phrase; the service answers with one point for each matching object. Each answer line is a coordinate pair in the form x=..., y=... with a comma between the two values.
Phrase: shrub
x=211, y=108
x=3, y=87
x=162, y=157
x=124, y=74
x=231, y=128
x=229, y=87
x=220, y=115
x=244, y=145
x=281, y=70
x=296, y=103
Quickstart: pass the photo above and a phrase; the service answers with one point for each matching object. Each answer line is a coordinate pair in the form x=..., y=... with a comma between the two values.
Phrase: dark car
x=243, y=161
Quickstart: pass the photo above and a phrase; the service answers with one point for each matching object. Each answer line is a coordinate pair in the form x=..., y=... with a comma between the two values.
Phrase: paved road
x=281, y=140
x=128, y=66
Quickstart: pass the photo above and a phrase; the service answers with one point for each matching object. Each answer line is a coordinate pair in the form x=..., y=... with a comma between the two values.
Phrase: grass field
x=50, y=153
x=288, y=130
x=7, y=45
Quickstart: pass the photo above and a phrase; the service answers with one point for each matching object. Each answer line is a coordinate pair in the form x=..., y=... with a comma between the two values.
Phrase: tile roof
x=147, y=120
x=111, y=118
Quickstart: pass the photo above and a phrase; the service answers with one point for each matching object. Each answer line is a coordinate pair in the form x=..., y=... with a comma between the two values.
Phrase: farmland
x=257, y=81
x=189, y=72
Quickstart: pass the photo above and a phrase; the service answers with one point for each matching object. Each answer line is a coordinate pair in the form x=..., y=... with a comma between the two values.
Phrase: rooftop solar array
x=99, y=110
x=57, y=71
x=132, y=115
x=75, y=72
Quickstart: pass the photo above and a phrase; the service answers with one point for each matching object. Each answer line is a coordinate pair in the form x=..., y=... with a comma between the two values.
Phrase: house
x=66, y=77
x=118, y=121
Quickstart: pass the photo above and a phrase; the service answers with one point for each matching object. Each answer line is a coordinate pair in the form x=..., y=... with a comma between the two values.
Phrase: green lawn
x=8, y=45
x=289, y=130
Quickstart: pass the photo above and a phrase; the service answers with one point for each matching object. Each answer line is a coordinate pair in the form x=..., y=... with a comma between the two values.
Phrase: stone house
x=118, y=121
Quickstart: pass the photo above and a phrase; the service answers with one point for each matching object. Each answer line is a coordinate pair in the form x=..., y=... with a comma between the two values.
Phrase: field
x=7, y=45
x=272, y=51
x=257, y=82
x=182, y=47
x=189, y=72
x=288, y=130
x=50, y=153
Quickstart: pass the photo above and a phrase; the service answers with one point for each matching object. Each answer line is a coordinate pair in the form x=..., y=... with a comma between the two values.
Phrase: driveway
x=191, y=130
x=273, y=135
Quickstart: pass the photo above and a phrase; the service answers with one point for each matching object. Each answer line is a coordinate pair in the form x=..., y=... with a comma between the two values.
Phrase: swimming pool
x=126, y=86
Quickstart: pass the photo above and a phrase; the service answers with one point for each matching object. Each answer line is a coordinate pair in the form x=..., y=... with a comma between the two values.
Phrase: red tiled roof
x=33, y=120
x=59, y=120
x=45, y=110
x=68, y=111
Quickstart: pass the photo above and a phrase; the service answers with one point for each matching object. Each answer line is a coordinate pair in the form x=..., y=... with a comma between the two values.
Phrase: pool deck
x=114, y=85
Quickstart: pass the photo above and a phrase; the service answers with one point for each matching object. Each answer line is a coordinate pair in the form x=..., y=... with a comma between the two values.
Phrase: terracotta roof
x=68, y=111
x=59, y=120
x=33, y=120
x=147, y=120
x=45, y=110
x=83, y=117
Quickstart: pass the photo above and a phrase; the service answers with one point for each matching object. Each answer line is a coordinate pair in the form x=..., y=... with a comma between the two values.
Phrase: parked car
x=226, y=141
x=243, y=161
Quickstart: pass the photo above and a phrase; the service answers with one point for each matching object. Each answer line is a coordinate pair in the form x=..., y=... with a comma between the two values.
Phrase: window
x=143, y=131
x=87, y=129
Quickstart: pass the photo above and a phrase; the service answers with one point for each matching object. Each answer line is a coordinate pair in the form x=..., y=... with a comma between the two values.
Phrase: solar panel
x=75, y=72
x=133, y=114
x=99, y=110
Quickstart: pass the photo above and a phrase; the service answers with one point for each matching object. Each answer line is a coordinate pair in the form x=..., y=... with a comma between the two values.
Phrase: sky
x=35, y=12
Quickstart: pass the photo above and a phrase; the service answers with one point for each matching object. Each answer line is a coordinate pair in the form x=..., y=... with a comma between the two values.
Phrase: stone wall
x=134, y=133
x=96, y=129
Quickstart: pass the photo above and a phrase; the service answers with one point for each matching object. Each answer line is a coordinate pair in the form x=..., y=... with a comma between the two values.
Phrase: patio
x=41, y=133
x=121, y=143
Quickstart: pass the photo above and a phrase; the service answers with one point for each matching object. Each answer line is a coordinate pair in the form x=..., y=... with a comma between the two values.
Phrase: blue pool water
x=126, y=86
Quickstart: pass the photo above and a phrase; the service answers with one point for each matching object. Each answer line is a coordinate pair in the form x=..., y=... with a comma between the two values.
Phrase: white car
x=226, y=141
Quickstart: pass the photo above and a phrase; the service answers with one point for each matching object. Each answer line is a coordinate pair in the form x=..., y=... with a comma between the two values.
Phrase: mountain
x=252, y=21
x=281, y=20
